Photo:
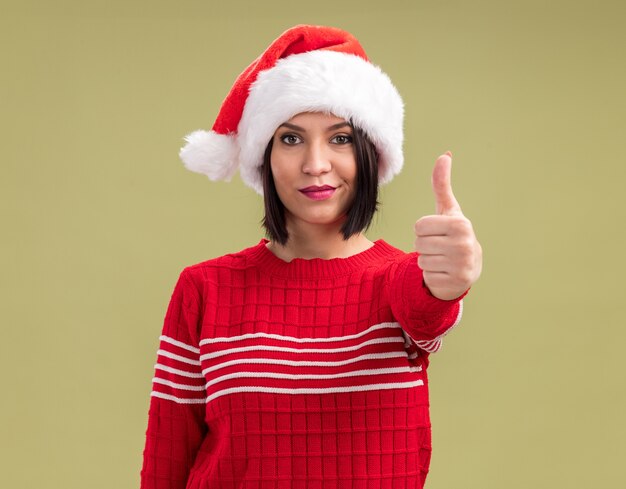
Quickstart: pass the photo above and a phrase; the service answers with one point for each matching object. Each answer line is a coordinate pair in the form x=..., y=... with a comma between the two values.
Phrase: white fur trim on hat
x=342, y=84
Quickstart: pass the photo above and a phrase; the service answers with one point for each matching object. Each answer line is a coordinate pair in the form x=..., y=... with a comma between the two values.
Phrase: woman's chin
x=321, y=220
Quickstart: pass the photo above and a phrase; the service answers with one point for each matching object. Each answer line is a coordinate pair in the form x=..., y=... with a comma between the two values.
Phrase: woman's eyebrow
x=334, y=127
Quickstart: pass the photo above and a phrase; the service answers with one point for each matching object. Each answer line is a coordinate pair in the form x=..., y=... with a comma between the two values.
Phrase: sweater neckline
x=316, y=267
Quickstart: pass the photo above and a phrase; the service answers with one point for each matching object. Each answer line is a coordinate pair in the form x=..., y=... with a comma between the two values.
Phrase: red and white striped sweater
x=308, y=374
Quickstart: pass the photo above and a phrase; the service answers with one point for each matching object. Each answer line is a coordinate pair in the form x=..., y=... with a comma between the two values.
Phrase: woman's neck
x=314, y=241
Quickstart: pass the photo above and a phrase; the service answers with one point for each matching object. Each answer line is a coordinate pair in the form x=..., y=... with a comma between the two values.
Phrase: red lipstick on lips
x=318, y=193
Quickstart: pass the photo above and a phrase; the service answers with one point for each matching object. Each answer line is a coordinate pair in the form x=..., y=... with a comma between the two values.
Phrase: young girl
x=300, y=362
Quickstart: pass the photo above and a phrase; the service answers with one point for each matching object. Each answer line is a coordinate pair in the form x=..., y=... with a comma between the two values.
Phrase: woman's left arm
x=426, y=288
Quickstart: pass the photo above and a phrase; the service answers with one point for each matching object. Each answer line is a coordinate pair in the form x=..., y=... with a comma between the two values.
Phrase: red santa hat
x=307, y=69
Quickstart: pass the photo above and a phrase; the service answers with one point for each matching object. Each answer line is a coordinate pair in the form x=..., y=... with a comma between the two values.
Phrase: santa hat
x=307, y=69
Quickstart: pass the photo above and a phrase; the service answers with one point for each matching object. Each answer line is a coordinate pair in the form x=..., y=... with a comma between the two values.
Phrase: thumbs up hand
x=449, y=253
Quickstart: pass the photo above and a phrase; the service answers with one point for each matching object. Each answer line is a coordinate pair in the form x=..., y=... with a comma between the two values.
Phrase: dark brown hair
x=365, y=203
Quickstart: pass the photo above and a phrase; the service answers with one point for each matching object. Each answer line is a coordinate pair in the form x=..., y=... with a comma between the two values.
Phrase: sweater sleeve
x=176, y=424
x=423, y=317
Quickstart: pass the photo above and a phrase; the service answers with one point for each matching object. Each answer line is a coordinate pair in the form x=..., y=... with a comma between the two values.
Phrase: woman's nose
x=316, y=160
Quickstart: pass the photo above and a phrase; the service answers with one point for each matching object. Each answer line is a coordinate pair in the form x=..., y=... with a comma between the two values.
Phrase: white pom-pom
x=212, y=154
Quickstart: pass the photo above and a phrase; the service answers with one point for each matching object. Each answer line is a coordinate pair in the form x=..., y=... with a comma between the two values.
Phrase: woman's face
x=314, y=168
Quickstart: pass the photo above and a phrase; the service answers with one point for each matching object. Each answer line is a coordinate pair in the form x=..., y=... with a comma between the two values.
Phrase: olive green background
x=99, y=217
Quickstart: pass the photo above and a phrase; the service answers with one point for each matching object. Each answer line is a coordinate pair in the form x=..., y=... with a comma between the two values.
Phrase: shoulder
x=392, y=255
x=240, y=260
x=396, y=263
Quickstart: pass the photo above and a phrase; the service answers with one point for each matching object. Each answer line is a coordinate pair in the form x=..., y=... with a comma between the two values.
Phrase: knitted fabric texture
x=308, y=374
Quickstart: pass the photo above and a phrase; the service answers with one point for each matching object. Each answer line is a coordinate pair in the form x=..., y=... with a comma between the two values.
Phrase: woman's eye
x=290, y=139
x=342, y=139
